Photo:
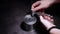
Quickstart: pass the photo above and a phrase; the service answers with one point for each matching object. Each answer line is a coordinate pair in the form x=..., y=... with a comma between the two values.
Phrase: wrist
x=50, y=26
x=47, y=24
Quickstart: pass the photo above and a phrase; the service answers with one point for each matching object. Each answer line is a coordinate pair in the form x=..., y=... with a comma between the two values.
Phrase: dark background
x=12, y=13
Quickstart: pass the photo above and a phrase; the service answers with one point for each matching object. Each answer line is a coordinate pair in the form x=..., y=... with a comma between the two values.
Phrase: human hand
x=47, y=20
x=43, y=4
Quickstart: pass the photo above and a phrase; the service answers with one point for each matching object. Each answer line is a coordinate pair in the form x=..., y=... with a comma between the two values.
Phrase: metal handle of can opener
x=37, y=12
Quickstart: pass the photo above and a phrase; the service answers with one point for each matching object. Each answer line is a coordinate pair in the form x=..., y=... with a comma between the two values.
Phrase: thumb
x=34, y=5
x=43, y=20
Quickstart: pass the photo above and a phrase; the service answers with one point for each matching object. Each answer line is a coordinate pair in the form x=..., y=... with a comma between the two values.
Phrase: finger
x=43, y=5
x=35, y=9
x=44, y=20
x=41, y=18
x=49, y=18
x=35, y=5
x=52, y=20
x=38, y=7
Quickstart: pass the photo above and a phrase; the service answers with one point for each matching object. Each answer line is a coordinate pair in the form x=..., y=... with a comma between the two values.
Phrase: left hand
x=47, y=18
x=47, y=21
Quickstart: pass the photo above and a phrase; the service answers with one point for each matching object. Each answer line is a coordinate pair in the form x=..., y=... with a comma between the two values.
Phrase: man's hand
x=47, y=21
x=43, y=4
x=47, y=18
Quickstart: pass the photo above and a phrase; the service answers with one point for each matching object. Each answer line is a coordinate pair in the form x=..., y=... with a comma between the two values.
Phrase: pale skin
x=46, y=20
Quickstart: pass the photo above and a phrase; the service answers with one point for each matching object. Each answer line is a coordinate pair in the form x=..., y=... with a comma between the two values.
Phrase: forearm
x=48, y=25
x=56, y=1
x=45, y=22
x=55, y=31
x=52, y=31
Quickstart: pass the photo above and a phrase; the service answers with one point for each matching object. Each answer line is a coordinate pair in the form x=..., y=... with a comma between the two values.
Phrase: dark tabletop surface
x=12, y=14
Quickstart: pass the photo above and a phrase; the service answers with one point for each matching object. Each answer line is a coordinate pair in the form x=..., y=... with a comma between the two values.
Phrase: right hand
x=43, y=4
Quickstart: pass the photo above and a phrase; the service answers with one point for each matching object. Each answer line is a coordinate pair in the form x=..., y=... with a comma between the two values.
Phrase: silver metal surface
x=30, y=20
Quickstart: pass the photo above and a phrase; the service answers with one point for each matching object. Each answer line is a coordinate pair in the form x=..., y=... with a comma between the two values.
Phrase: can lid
x=30, y=20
